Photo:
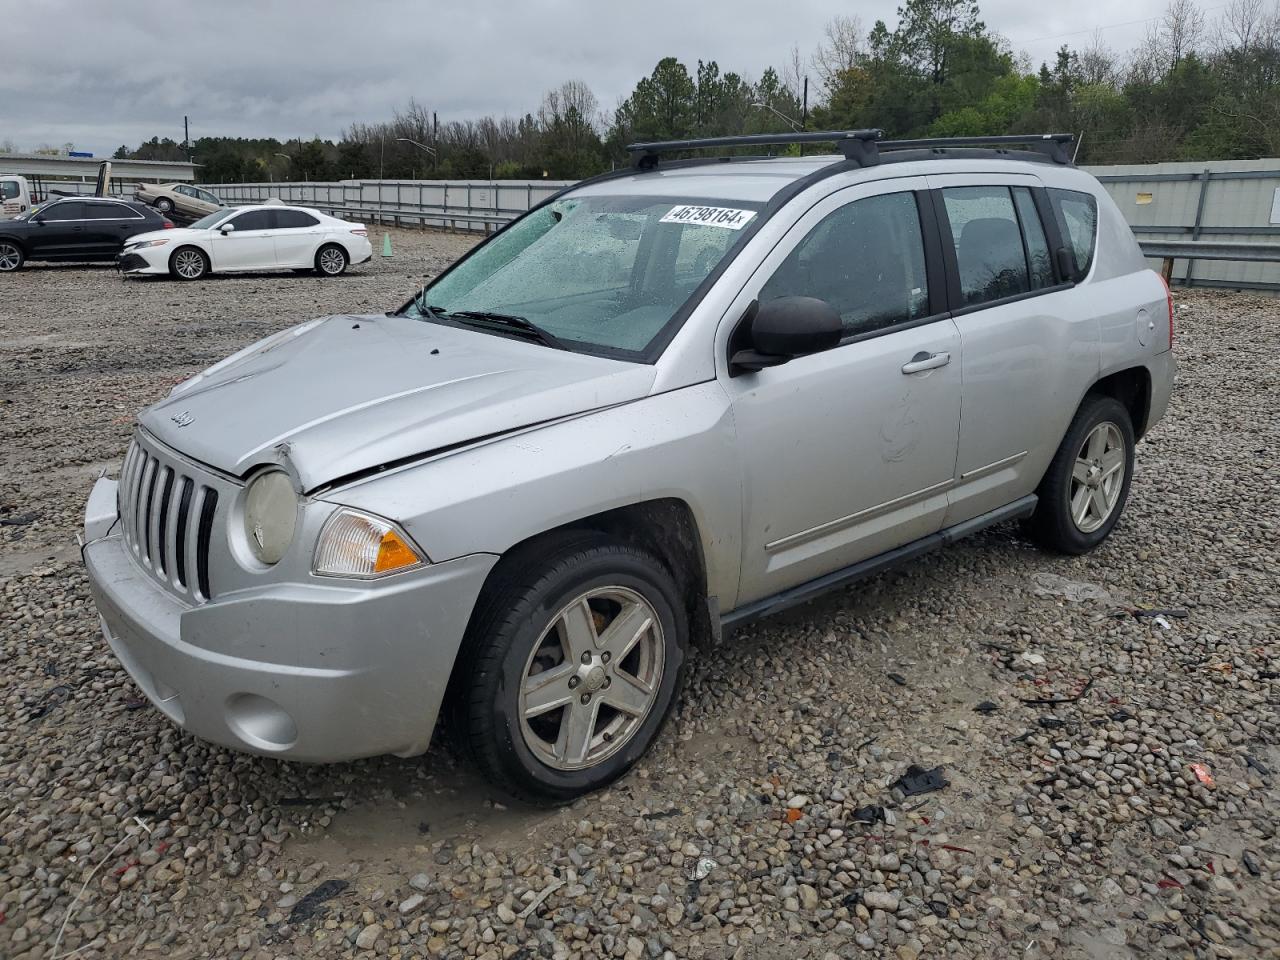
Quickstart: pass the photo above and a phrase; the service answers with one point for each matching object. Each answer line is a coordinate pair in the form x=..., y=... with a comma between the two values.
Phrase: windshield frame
x=220, y=214
x=662, y=339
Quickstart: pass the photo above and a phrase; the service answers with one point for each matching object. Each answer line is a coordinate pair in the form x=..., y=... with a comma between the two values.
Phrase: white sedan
x=266, y=237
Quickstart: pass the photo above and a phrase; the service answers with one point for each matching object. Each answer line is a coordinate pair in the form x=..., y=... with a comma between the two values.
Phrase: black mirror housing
x=783, y=329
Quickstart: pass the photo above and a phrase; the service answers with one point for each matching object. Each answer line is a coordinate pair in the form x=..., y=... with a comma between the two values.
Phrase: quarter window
x=988, y=243
x=1037, y=244
x=1077, y=215
x=866, y=259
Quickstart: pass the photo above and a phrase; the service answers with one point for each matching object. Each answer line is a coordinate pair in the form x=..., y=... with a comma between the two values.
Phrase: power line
x=1106, y=26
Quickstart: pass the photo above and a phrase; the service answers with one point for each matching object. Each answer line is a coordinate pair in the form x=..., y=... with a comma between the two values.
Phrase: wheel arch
x=17, y=242
x=1132, y=388
x=208, y=256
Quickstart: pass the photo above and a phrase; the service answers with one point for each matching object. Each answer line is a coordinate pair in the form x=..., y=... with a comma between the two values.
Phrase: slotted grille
x=168, y=514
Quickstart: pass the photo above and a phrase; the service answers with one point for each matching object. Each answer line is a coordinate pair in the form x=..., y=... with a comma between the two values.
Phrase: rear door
x=1024, y=354
x=107, y=226
x=59, y=231
x=297, y=234
x=250, y=246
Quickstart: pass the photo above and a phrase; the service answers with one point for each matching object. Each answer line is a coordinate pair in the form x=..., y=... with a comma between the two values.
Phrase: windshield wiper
x=527, y=327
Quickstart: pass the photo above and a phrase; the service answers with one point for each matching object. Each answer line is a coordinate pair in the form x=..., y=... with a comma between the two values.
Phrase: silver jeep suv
x=664, y=402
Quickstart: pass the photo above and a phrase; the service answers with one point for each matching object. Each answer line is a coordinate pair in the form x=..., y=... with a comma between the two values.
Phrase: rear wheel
x=11, y=256
x=576, y=654
x=164, y=205
x=1087, y=484
x=188, y=263
x=331, y=260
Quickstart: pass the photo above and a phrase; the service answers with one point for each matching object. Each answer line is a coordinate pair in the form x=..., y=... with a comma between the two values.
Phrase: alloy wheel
x=332, y=261
x=188, y=264
x=10, y=257
x=592, y=678
x=1097, y=477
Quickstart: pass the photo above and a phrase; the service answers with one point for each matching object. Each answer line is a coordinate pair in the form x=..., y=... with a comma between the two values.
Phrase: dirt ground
x=1136, y=818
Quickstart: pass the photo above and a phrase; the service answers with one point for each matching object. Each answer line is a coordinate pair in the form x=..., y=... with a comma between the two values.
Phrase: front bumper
x=138, y=263
x=319, y=671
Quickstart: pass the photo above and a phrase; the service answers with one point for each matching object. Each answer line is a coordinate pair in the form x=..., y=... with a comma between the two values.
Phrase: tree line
x=1195, y=89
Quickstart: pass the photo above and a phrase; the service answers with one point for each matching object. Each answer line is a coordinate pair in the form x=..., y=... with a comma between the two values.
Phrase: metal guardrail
x=1171, y=250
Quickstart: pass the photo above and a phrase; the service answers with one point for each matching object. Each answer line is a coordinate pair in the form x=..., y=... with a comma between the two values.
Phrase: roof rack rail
x=863, y=147
x=854, y=144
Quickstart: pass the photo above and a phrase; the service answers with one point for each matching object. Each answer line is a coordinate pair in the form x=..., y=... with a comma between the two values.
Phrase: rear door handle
x=926, y=361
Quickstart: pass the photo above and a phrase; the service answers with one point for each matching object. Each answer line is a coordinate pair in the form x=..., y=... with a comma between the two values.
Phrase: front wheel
x=11, y=257
x=331, y=260
x=1085, y=488
x=576, y=654
x=188, y=263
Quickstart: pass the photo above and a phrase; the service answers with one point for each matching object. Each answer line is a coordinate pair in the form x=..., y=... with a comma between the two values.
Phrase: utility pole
x=186, y=138
x=804, y=112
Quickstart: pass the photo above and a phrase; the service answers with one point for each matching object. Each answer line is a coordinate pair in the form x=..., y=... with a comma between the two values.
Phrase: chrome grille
x=167, y=511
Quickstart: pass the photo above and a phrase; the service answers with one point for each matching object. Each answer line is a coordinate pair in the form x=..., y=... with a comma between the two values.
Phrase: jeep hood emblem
x=183, y=418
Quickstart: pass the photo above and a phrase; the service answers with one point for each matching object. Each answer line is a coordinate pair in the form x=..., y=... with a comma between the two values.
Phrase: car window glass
x=988, y=243
x=107, y=211
x=1033, y=233
x=255, y=220
x=286, y=219
x=866, y=259
x=64, y=210
x=1077, y=215
x=207, y=197
x=9, y=189
x=185, y=191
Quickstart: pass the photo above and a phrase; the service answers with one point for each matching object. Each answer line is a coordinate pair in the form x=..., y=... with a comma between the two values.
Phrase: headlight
x=354, y=544
x=147, y=243
x=270, y=515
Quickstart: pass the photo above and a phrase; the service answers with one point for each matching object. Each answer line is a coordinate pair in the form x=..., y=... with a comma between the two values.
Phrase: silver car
x=662, y=403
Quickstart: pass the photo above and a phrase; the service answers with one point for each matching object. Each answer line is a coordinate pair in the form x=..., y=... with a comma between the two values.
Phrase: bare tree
x=840, y=49
x=1178, y=32
x=1099, y=63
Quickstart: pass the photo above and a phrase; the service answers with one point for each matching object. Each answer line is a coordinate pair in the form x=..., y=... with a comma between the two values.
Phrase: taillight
x=168, y=225
x=1168, y=298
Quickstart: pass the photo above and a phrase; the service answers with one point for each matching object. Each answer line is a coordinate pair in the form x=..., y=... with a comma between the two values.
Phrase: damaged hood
x=343, y=394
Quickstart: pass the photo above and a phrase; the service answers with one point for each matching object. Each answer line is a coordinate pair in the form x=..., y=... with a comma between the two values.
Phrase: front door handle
x=923, y=361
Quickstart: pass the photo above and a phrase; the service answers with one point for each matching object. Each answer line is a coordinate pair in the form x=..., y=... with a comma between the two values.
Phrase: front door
x=849, y=452
x=60, y=231
x=250, y=246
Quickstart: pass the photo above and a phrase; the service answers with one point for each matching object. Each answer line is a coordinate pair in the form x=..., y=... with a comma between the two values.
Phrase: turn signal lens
x=358, y=545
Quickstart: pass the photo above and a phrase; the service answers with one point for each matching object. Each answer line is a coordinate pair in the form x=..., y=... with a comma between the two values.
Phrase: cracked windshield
x=602, y=274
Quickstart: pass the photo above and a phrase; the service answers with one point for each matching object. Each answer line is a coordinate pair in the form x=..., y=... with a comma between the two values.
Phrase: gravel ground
x=764, y=824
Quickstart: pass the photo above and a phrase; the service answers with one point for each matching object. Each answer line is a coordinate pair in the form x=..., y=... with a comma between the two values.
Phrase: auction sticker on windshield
x=725, y=217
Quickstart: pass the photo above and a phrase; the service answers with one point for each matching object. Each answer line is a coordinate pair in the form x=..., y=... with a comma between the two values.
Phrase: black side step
x=804, y=592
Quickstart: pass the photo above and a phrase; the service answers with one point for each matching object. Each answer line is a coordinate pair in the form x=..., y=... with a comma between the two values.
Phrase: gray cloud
x=103, y=74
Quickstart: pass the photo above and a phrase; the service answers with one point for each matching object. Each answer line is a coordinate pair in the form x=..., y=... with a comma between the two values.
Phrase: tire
x=11, y=257
x=331, y=260
x=184, y=266
x=1081, y=477
x=164, y=205
x=518, y=632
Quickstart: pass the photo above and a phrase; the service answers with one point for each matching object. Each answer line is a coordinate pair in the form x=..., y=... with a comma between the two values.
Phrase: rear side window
x=1037, y=244
x=988, y=242
x=1077, y=215
x=866, y=259
x=293, y=218
x=109, y=211
x=255, y=220
x=8, y=190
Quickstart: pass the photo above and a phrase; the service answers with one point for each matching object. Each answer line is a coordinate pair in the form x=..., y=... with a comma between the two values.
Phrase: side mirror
x=227, y=228
x=783, y=329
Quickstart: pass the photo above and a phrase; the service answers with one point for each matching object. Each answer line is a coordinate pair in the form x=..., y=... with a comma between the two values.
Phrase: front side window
x=208, y=197
x=1077, y=215
x=988, y=243
x=255, y=220
x=8, y=190
x=607, y=274
x=866, y=259
x=63, y=210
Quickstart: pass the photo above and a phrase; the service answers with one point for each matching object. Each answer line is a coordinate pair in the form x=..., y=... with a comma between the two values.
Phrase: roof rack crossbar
x=854, y=144
x=1053, y=145
x=863, y=147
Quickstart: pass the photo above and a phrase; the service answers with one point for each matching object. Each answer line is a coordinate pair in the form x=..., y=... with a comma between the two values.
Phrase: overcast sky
x=99, y=74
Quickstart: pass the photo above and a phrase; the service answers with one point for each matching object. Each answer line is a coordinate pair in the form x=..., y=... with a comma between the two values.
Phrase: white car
x=239, y=239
